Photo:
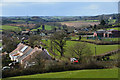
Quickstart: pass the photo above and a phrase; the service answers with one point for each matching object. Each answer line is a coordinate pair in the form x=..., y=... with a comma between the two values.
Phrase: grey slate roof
x=24, y=55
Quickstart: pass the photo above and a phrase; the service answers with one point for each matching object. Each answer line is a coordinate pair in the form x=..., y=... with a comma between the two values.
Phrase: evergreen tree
x=102, y=22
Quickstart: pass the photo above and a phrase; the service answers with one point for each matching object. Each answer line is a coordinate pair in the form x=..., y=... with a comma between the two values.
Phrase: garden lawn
x=7, y=27
x=93, y=73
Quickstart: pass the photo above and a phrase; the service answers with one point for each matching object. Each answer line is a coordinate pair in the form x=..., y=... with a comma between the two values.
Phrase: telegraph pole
x=95, y=51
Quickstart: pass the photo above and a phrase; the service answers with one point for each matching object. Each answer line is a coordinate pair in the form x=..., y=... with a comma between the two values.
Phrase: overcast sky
x=58, y=8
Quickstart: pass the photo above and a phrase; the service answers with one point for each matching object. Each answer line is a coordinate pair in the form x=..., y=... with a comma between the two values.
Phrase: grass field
x=93, y=73
x=18, y=21
x=112, y=21
x=104, y=39
x=80, y=23
x=47, y=27
x=100, y=49
x=0, y=44
x=115, y=56
x=111, y=39
x=74, y=37
x=117, y=28
x=7, y=27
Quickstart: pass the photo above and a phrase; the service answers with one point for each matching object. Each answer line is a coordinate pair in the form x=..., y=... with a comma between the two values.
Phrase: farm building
x=108, y=33
x=23, y=53
x=99, y=33
x=25, y=32
x=113, y=33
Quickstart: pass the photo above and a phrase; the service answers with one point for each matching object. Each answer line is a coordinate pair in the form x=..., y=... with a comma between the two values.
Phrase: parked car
x=6, y=68
x=29, y=64
x=73, y=60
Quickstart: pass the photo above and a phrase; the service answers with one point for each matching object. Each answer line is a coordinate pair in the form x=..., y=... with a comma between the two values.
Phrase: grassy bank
x=93, y=73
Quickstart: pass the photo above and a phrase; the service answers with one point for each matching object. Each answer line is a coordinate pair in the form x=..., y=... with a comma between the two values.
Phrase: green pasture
x=116, y=24
x=0, y=44
x=111, y=21
x=91, y=73
x=100, y=49
x=47, y=27
x=111, y=39
x=18, y=21
x=103, y=40
x=92, y=40
x=116, y=28
x=115, y=56
x=74, y=37
x=7, y=27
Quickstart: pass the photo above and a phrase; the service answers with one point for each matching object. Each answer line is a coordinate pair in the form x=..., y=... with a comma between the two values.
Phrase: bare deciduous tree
x=38, y=58
x=59, y=41
x=79, y=49
x=34, y=40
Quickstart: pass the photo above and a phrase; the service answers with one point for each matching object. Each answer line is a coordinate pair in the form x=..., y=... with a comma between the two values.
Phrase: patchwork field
x=93, y=73
x=7, y=27
x=80, y=23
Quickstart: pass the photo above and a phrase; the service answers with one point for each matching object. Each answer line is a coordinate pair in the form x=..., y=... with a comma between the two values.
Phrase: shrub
x=54, y=66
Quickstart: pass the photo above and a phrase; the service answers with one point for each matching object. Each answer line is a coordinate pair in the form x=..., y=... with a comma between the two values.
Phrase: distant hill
x=34, y=19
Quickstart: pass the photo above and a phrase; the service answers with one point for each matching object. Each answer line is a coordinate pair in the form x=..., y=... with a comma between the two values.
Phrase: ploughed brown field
x=79, y=23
